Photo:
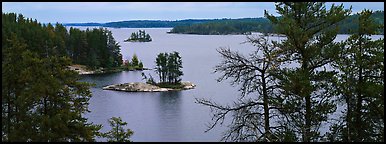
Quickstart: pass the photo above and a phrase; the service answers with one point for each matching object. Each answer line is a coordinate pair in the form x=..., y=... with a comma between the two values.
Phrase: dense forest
x=41, y=99
x=94, y=48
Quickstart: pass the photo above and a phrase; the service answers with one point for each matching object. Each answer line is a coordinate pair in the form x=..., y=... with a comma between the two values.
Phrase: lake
x=167, y=116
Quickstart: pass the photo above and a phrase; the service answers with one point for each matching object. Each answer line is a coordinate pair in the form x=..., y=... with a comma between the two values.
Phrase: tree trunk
x=266, y=110
x=307, y=96
x=9, y=115
x=348, y=118
x=308, y=118
x=358, y=120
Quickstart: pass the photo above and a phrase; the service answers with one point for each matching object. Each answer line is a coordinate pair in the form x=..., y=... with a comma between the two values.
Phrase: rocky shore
x=83, y=70
x=143, y=87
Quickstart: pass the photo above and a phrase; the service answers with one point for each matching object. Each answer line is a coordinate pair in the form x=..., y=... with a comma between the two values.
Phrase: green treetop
x=140, y=36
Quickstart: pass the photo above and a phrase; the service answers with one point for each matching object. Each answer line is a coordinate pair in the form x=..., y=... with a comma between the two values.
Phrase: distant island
x=140, y=36
x=224, y=26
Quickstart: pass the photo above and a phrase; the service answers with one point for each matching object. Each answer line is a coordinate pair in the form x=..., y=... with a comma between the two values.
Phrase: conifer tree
x=118, y=133
x=361, y=85
x=307, y=96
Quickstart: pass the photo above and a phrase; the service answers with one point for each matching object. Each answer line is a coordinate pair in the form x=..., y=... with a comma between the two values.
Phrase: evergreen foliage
x=168, y=68
x=135, y=64
x=140, y=36
x=94, y=48
x=263, y=25
x=42, y=100
x=306, y=99
x=118, y=133
x=253, y=117
x=290, y=88
x=360, y=85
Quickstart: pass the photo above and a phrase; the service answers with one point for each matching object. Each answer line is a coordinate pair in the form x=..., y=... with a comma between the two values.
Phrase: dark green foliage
x=245, y=26
x=351, y=24
x=94, y=48
x=134, y=60
x=226, y=26
x=140, y=36
x=141, y=23
x=361, y=85
x=169, y=85
x=161, y=69
x=135, y=64
x=42, y=100
x=169, y=67
x=117, y=133
x=140, y=65
x=307, y=96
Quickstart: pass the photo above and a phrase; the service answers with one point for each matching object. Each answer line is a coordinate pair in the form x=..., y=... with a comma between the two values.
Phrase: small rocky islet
x=144, y=87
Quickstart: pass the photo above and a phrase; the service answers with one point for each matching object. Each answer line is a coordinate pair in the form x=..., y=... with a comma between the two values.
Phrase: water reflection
x=169, y=114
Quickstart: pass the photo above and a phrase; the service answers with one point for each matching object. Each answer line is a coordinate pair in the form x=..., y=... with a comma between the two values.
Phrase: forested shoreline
x=246, y=26
x=42, y=100
x=224, y=26
x=94, y=48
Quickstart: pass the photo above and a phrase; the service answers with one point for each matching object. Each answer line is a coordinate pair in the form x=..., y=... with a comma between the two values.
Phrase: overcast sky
x=68, y=12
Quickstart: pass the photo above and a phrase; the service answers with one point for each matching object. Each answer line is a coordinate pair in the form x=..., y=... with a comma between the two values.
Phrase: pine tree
x=41, y=99
x=253, y=113
x=361, y=85
x=307, y=96
x=135, y=61
x=168, y=67
x=118, y=133
x=161, y=62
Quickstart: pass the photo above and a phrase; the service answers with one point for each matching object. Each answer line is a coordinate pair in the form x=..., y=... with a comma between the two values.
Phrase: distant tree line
x=245, y=26
x=350, y=25
x=142, y=23
x=226, y=26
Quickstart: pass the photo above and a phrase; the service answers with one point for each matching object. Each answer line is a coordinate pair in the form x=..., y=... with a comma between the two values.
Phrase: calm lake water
x=167, y=116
